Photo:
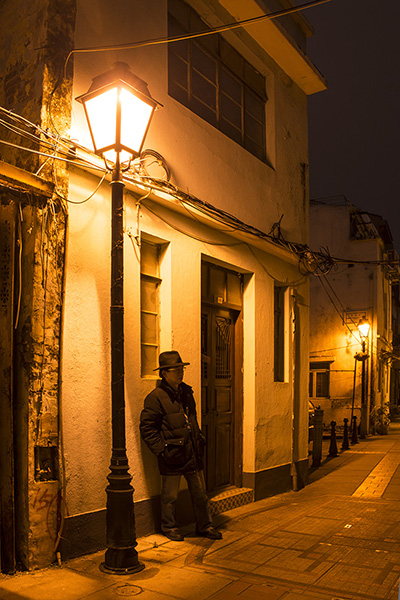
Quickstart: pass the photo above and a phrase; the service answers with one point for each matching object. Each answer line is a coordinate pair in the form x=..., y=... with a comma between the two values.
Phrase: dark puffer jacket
x=168, y=425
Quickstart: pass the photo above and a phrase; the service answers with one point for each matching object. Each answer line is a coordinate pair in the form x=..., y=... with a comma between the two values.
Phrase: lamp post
x=363, y=328
x=118, y=108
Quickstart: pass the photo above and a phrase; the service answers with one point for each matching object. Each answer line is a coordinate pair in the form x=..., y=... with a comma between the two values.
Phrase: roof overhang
x=271, y=36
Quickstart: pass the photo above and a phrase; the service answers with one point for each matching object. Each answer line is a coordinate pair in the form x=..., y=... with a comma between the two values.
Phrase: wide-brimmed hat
x=170, y=359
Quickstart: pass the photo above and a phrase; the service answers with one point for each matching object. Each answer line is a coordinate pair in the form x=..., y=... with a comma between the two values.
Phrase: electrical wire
x=310, y=262
x=19, y=245
x=373, y=346
x=36, y=128
x=189, y=36
x=77, y=162
x=332, y=301
x=325, y=350
x=135, y=239
x=91, y=195
x=52, y=156
x=321, y=280
x=23, y=133
x=30, y=137
x=195, y=237
x=287, y=283
x=47, y=139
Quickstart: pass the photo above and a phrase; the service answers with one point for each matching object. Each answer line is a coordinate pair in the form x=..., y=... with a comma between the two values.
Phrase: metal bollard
x=345, y=443
x=354, y=437
x=333, y=451
x=318, y=435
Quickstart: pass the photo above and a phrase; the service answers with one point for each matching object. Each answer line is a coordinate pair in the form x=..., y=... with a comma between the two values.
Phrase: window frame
x=183, y=19
x=319, y=368
x=280, y=333
x=156, y=280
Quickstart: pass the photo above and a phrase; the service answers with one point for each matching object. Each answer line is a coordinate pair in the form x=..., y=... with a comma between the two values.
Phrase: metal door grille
x=223, y=347
x=204, y=346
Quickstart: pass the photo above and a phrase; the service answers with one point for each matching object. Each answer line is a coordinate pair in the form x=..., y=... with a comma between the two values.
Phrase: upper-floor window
x=212, y=79
x=362, y=227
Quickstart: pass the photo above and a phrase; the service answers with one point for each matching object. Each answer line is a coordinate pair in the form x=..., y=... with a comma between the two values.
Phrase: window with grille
x=319, y=380
x=212, y=79
x=150, y=283
x=223, y=334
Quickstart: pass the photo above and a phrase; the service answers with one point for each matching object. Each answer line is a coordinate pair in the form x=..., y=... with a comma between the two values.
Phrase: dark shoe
x=174, y=535
x=211, y=533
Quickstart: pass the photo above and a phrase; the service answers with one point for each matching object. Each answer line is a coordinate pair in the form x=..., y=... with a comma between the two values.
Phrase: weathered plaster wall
x=35, y=39
x=267, y=405
x=40, y=236
x=38, y=351
x=207, y=164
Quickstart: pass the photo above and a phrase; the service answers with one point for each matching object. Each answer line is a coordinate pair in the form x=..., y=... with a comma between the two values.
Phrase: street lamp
x=118, y=108
x=363, y=328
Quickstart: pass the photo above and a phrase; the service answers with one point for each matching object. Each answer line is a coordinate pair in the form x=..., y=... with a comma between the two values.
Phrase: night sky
x=355, y=125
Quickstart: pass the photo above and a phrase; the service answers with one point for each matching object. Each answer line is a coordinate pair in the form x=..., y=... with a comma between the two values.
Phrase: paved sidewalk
x=337, y=539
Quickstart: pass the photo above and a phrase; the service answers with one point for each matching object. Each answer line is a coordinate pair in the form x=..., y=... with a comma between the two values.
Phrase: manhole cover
x=127, y=590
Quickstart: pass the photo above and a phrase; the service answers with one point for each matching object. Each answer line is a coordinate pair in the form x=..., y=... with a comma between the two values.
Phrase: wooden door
x=218, y=395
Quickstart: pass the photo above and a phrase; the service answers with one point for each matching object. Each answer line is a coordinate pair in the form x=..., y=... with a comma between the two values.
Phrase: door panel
x=218, y=416
x=223, y=444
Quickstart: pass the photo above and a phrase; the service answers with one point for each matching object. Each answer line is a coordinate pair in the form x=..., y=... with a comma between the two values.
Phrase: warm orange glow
x=118, y=108
x=101, y=113
x=135, y=117
x=363, y=327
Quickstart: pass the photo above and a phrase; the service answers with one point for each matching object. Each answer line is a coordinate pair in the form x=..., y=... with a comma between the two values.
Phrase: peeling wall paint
x=33, y=49
x=37, y=383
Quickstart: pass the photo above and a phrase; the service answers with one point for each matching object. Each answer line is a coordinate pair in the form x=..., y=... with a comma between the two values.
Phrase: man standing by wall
x=169, y=427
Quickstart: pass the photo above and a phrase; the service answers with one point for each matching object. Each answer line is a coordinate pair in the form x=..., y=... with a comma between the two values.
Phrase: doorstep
x=231, y=498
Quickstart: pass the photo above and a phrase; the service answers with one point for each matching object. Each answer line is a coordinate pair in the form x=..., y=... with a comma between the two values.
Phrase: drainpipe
x=294, y=320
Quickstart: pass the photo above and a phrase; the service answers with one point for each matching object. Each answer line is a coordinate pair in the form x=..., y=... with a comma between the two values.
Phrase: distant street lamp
x=363, y=328
x=118, y=108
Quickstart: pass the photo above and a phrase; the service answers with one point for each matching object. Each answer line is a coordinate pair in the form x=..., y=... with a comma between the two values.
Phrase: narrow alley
x=337, y=539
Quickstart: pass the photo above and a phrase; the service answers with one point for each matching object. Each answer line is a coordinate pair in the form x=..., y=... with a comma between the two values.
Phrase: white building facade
x=216, y=214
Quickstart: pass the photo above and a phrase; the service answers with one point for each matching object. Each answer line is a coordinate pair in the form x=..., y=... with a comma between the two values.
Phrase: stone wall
x=39, y=225
x=36, y=37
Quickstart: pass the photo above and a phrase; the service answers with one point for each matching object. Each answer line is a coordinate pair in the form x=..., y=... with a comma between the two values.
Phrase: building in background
x=215, y=222
x=350, y=373
x=395, y=364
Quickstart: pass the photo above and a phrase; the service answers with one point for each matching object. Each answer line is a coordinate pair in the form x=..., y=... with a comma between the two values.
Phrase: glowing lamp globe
x=363, y=327
x=118, y=108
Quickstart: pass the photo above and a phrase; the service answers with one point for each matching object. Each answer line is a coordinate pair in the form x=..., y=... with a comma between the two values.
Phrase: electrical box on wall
x=46, y=463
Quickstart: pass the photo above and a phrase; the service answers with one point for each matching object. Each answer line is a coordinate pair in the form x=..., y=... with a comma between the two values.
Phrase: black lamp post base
x=124, y=561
